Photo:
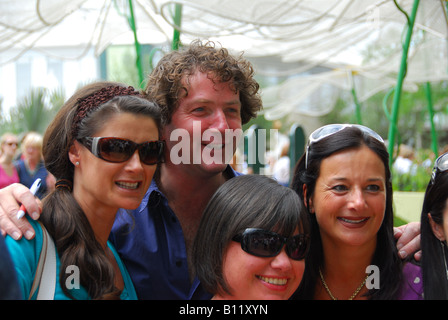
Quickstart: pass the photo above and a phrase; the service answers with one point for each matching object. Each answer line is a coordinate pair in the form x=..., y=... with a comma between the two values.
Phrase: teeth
x=276, y=281
x=127, y=185
x=353, y=221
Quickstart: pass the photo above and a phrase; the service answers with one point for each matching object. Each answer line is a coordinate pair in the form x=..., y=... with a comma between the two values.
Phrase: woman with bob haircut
x=252, y=241
x=344, y=181
x=435, y=232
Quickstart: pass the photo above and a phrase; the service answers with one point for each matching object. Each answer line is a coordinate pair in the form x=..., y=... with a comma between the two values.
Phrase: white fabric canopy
x=357, y=43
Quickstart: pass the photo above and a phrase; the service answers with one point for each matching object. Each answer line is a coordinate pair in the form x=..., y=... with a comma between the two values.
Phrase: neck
x=6, y=159
x=188, y=190
x=188, y=195
x=344, y=269
x=32, y=163
x=100, y=218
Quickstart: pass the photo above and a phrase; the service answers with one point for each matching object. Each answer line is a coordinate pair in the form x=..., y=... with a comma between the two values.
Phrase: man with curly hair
x=201, y=87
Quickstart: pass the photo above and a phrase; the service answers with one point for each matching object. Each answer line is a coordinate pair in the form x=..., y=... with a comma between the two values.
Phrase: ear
x=310, y=203
x=74, y=153
x=436, y=228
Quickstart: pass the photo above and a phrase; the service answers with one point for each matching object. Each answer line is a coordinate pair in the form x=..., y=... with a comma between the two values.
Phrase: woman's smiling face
x=255, y=278
x=349, y=200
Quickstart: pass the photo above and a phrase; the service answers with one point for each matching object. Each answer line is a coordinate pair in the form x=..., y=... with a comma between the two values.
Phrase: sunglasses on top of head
x=118, y=150
x=331, y=129
x=440, y=165
x=264, y=243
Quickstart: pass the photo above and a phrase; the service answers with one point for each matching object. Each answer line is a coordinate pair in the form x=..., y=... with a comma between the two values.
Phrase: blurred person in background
x=8, y=148
x=31, y=166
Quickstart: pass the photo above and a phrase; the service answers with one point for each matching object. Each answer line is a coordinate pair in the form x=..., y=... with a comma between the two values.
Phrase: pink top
x=6, y=180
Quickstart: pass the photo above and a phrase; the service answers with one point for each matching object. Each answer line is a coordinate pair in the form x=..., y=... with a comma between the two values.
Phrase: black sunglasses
x=264, y=243
x=120, y=150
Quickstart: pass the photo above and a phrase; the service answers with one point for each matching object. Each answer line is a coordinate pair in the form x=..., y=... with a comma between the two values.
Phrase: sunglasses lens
x=150, y=152
x=262, y=243
x=115, y=150
x=297, y=247
x=325, y=131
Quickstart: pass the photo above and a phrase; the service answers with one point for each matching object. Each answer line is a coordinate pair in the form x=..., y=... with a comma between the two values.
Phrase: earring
x=444, y=258
x=77, y=163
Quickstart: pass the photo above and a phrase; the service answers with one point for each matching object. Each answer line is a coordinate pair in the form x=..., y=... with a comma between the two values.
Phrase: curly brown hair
x=165, y=81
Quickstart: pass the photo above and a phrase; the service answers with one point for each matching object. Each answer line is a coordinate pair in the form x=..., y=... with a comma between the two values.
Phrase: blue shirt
x=151, y=243
x=26, y=178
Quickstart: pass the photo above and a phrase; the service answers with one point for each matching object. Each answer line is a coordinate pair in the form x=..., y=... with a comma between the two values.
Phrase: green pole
x=355, y=99
x=401, y=76
x=431, y=119
x=177, y=20
x=138, y=61
x=357, y=106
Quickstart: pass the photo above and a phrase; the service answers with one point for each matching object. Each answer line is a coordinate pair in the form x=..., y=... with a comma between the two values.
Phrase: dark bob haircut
x=248, y=201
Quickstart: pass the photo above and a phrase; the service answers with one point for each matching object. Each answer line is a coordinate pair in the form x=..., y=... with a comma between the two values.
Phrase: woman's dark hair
x=62, y=216
x=165, y=83
x=435, y=284
x=386, y=255
x=248, y=201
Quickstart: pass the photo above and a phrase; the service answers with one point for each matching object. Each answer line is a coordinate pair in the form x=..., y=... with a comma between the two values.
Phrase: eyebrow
x=369, y=179
x=208, y=101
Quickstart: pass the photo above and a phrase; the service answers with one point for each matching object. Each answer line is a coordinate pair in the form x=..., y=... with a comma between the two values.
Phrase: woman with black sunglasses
x=252, y=241
x=344, y=180
x=434, y=232
x=103, y=148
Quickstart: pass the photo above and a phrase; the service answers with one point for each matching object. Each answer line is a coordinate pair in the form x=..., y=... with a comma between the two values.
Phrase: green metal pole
x=355, y=99
x=399, y=86
x=357, y=106
x=138, y=60
x=431, y=119
x=177, y=20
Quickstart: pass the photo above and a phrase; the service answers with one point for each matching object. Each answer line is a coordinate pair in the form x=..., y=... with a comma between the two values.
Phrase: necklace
x=332, y=296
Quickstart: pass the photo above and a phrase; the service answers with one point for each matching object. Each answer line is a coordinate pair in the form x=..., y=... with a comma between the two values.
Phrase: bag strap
x=45, y=277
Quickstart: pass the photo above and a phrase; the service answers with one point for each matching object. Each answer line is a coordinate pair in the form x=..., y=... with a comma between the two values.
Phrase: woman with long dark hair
x=103, y=148
x=345, y=182
x=434, y=231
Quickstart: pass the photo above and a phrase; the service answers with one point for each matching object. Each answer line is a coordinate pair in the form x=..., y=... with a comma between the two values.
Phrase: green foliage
x=411, y=181
x=32, y=113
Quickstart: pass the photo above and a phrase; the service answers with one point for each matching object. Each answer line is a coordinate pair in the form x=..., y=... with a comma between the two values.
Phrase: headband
x=91, y=102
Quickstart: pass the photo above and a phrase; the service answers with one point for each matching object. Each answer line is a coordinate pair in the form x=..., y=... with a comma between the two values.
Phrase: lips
x=274, y=281
x=353, y=222
x=128, y=185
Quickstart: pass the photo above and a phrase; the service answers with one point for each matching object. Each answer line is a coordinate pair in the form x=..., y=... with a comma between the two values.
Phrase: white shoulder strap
x=45, y=278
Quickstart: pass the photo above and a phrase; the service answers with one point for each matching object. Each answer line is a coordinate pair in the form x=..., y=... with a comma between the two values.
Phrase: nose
x=281, y=261
x=219, y=121
x=134, y=163
x=357, y=200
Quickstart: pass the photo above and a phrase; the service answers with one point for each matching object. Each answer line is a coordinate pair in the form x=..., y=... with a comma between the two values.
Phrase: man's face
x=206, y=114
